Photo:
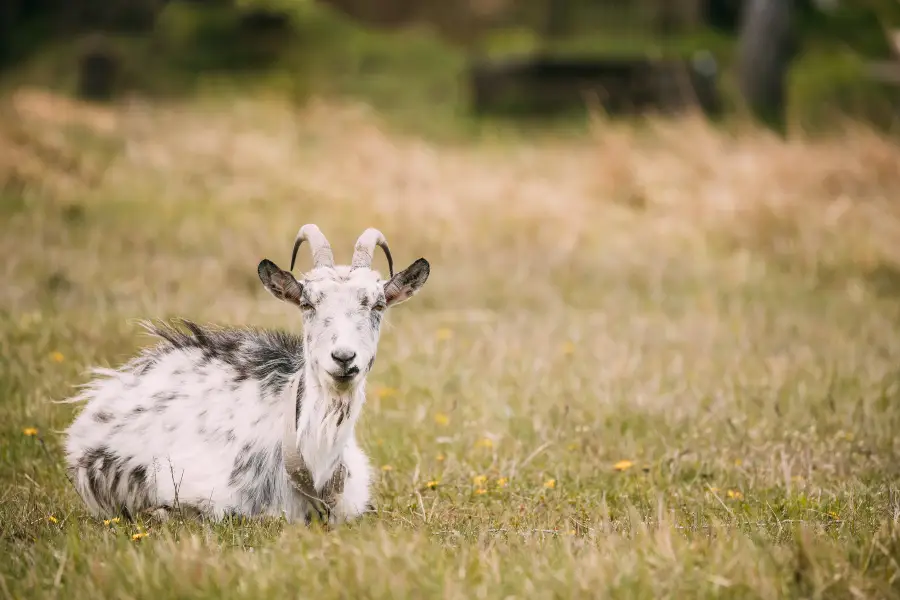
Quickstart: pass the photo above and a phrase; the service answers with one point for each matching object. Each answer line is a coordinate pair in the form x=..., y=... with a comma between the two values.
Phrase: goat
x=243, y=422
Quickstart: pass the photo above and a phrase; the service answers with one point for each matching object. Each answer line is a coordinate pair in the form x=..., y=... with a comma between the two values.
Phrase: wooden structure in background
x=543, y=85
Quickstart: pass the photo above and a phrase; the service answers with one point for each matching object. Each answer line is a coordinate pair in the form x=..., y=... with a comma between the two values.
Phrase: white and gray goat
x=244, y=422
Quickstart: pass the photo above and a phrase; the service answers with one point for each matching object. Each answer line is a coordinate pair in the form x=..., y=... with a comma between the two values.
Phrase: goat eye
x=305, y=304
x=379, y=306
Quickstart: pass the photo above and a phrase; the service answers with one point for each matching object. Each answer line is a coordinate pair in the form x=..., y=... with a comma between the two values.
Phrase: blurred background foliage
x=411, y=58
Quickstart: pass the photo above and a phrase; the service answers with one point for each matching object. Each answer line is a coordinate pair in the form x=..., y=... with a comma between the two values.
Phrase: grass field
x=658, y=361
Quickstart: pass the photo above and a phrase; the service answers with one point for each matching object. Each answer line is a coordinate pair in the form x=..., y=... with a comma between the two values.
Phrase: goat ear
x=280, y=283
x=406, y=283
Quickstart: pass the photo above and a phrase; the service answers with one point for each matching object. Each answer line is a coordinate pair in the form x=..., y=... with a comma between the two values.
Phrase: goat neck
x=317, y=433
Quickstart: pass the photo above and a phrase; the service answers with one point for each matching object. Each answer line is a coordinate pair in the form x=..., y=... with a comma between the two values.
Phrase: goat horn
x=365, y=250
x=321, y=250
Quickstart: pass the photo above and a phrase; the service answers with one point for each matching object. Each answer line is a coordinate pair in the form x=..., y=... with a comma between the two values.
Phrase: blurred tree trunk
x=766, y=47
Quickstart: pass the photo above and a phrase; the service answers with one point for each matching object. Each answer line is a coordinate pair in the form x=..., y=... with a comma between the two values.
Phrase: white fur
x=188, y=469
x=196, y=421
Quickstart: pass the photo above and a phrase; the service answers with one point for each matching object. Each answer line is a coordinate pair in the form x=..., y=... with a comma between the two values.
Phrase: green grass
x=708, y=306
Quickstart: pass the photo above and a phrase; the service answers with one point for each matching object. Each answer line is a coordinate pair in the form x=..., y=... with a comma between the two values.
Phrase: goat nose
x=343, y=356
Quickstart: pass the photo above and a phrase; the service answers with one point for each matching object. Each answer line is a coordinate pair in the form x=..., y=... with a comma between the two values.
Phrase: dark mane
x=269, y=356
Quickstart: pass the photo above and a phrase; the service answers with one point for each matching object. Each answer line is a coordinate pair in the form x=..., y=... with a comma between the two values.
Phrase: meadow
x=655, y=360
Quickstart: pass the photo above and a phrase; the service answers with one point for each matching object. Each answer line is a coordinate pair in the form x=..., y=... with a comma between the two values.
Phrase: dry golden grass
x=650, y=362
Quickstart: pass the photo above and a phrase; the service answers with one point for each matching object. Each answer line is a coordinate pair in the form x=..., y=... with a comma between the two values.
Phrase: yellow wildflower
x=623, y=465
x=387, y=468
x=734, y=494
x=432, y=484
x=441, y=419
x=57, y=356
x=440, y=458
x=111, y=521
x=568, y=348
x=30, y=431
x=834, y=515
x=502, y=482
x=484, y=443
x=550, y=484
x=444, y=333
x=139, y=535
x=480, y=491
x=52, y=519
x=571, y=532
x=479, y=480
